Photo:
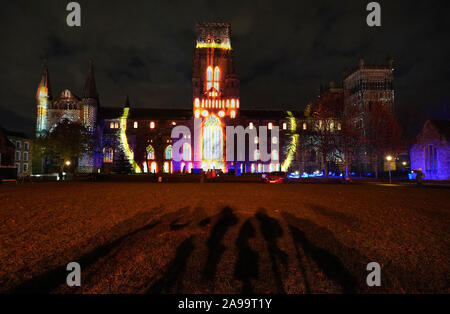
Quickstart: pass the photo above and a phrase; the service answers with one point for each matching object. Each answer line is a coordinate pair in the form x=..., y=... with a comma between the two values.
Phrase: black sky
x=284, y=50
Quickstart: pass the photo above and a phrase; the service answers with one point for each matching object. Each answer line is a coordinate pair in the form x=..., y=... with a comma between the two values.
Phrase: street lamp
x=68, y=163
x=389, y=158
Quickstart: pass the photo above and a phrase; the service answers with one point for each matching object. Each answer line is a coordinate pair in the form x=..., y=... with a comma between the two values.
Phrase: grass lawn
x=223, y=238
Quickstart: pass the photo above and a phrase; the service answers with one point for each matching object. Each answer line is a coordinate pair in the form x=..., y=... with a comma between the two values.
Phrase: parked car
x=275, y=177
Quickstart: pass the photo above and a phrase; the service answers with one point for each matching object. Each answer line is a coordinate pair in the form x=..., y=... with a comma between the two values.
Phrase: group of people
x=210, y=175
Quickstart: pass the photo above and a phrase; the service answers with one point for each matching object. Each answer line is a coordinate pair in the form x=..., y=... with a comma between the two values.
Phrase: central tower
x=215, y=86
x=215, y=90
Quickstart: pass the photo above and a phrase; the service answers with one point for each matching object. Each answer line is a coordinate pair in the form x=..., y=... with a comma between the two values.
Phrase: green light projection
x=124, y=141
x=292, y=145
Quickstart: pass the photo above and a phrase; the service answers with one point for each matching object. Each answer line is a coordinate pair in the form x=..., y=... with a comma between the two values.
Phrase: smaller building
x=7, y=150
x=431, y=152
x=22, y=153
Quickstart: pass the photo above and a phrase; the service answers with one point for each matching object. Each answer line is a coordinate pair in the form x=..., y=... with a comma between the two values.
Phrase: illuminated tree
x=66, y=141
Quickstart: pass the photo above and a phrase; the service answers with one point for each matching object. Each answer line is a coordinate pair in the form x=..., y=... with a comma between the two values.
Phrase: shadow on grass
x=53, y=278
x=214, y=244
x=247, y=261
x=173, y=276
x=176, y=225
x=337, y=217
x=204, y=222
x=330, y=264
x=271, y=231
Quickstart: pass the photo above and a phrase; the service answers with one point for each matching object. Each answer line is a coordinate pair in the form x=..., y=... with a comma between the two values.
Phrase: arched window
x=135, y=124
x=274, y=140
x=256, y=154
x=116, y=125
x=144, y=165
x=260, y=168
x=168, y=152
x=186, y=152
x=111, y=125
x=274, y=154
x=150, y=152
x=152, y=125
x=212, y=139
x=430, y=158
x=216, y=78
x=108, y=154
x=166, y=167
x=153, y=167
x=209, y=78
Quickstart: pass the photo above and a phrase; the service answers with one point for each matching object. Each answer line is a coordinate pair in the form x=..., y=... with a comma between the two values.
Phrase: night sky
x=284, y=50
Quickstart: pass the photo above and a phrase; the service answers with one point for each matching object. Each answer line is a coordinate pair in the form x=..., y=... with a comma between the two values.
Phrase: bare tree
x=349, y=140
x=382, y=133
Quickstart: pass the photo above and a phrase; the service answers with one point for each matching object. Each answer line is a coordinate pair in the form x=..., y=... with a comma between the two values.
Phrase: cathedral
x=142, y=137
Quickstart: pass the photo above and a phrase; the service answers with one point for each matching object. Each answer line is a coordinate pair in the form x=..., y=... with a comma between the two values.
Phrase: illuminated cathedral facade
x=141, y=138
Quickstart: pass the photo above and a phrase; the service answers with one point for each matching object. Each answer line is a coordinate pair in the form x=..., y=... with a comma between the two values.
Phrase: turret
x=90, y=99
x=127, y=102
x=361, y=62
x=43, y=100
x=390, y=63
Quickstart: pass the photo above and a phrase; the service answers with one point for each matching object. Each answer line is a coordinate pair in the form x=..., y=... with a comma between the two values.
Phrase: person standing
x=419, y=176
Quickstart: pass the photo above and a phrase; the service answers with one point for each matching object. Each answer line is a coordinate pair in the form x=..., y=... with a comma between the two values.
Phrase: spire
x=44, y=85
x=90, y=89
x=127, y=102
